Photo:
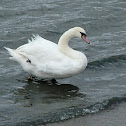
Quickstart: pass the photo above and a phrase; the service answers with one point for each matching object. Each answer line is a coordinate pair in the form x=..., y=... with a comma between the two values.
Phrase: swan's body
x=46, y=59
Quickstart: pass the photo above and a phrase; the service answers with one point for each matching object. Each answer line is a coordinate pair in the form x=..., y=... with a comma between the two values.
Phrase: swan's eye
x=83, y=34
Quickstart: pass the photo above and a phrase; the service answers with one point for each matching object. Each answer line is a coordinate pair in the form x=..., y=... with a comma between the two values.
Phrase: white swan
x=45, y=59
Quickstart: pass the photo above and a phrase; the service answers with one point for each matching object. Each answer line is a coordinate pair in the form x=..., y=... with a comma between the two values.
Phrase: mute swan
x=45, y=59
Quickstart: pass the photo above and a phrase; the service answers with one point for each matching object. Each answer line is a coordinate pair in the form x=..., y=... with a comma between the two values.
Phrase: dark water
x=102, y=84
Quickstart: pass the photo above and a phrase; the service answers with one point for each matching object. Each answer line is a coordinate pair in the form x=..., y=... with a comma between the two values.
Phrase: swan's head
x=80, y=33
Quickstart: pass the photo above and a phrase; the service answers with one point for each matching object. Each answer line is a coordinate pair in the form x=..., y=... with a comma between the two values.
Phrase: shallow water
x=24, y=102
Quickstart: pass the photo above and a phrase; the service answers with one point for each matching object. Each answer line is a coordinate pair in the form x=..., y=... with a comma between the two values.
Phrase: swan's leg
x=31, y=78
x=54, y=81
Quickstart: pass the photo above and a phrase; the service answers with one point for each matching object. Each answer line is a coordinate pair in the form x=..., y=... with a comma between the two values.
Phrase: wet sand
x=112, y=117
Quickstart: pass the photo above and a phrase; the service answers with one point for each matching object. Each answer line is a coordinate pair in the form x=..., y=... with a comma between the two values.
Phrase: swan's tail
x=15, y=55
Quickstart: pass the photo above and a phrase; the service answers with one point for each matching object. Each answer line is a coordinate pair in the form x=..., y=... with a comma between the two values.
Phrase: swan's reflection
x=45, y=92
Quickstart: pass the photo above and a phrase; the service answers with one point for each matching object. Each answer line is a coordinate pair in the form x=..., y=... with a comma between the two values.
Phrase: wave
x=67, y=113
x=109, y=60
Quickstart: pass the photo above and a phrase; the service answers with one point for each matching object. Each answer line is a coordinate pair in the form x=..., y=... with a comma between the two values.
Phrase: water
x=102, y=84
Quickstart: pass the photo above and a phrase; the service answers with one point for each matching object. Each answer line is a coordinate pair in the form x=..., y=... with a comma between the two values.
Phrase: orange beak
x=85, y=39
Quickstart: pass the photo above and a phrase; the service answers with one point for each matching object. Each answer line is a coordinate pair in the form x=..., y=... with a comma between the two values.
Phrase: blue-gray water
x=26, y=103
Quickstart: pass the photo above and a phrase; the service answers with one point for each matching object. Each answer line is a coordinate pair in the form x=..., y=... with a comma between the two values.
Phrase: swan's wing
x=45, y=56
x=38, y=48
x=42, y=52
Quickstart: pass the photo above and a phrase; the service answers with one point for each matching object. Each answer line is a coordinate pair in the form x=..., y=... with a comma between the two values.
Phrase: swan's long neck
x=64, y=40
x=64, y=47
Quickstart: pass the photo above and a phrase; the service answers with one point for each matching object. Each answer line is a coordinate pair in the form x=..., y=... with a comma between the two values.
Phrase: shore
x=112, y=117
